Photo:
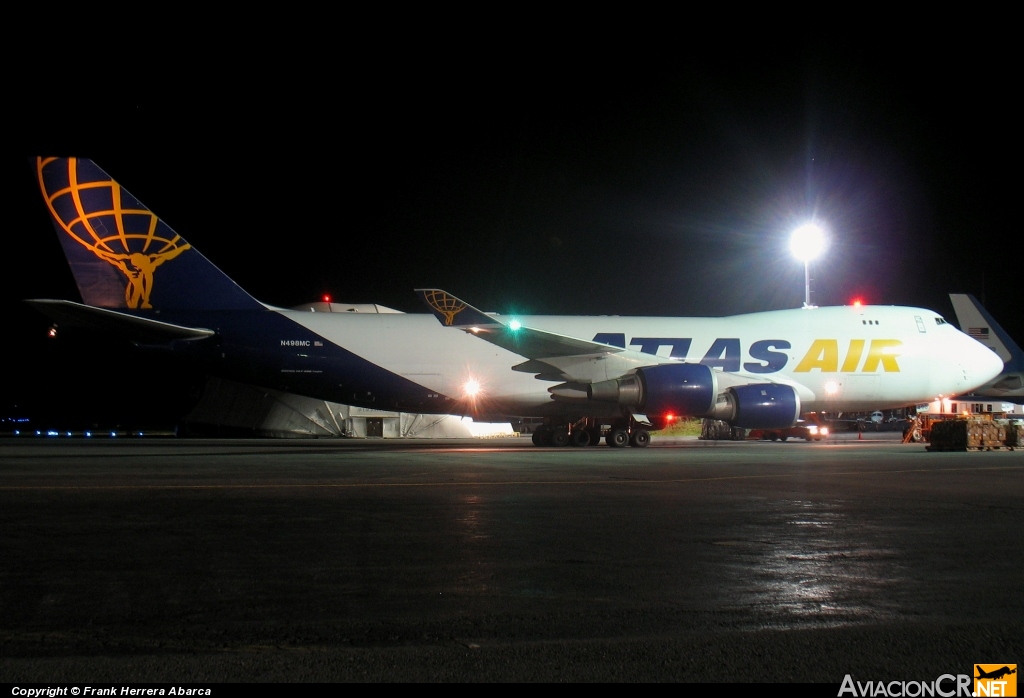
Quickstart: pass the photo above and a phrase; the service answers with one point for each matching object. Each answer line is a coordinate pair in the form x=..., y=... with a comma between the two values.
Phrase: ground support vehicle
x=974, y=432
x=718, y=430
x=809, y=428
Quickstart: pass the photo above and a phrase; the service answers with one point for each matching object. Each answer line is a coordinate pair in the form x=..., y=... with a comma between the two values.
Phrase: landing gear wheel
x=542, y=435
x=559, y=437
x=640, y=438
x=581, y=438
x=617, y=438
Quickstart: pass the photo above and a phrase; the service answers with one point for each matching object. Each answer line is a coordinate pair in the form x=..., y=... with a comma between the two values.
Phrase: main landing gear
x=588, y=432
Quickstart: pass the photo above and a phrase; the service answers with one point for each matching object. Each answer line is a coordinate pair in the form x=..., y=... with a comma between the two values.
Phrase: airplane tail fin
x=975, y=321
x=121, y=254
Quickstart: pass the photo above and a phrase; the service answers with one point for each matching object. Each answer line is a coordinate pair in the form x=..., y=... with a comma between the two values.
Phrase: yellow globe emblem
x=447, y=305
x=101, y=217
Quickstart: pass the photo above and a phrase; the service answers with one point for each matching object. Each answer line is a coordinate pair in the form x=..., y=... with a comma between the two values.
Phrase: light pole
x=806, y=243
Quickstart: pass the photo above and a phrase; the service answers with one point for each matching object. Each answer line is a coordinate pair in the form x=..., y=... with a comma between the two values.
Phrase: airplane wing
x=134, y=328
x=555, y=357
x=550, y=355
x=591, y=371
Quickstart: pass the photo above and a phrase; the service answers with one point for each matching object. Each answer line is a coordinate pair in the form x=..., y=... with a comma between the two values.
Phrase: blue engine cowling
x=682, y=389
x=764, y=406
x=692, y=390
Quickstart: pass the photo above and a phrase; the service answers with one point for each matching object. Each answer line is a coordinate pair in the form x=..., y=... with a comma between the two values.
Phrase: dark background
x=592, y=183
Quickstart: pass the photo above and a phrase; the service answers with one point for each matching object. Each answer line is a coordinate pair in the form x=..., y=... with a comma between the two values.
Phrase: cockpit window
x=939, y=321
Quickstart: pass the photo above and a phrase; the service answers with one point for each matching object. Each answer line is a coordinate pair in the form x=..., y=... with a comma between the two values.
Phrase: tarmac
x=490, y=560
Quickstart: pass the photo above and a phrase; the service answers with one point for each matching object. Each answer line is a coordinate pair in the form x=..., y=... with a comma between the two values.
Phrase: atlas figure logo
x=449, y=306
x=104, y=219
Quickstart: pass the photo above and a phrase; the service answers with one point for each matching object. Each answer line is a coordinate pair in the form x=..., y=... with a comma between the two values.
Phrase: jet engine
x=692, y=389
x=684, y=389
x=758, y=406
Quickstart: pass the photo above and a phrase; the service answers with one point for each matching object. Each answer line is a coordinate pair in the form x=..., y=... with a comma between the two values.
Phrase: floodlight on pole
x=807, y=243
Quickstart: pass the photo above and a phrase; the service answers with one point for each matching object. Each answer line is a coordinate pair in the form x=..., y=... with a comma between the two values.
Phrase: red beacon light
x=326, y=298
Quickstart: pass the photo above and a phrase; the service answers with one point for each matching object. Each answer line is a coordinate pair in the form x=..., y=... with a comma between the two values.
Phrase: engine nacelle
x=692, y=390
x=759, y=406
x=682, y=389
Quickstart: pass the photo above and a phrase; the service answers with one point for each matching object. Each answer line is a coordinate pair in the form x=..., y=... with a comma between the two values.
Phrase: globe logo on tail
x=98, y=214
x=447, y=305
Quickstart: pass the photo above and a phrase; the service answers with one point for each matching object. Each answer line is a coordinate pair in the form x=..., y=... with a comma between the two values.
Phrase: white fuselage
x=836, y=358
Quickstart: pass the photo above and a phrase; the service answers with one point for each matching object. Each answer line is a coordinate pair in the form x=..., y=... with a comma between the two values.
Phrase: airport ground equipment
x=974, y=432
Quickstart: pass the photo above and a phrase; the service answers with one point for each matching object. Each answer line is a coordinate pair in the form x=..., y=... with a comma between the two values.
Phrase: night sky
x=660, y=187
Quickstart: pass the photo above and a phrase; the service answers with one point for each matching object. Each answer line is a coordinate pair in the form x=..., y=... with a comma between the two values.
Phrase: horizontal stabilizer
x=136, y=329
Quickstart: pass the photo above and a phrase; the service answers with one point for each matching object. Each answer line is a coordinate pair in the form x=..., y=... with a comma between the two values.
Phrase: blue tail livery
x=121, y=254
x=978, y=323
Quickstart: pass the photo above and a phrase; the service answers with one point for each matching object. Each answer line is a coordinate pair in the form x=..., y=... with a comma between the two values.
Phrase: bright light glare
x=808, y=242
x=514, y=325
x=831, y=388
x=471, y=387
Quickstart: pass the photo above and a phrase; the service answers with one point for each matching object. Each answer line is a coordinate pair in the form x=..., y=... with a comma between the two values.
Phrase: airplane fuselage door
x=921, y=327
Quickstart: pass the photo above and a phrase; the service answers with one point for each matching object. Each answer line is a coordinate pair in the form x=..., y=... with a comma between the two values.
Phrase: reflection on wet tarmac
x=475, y=574
x=812, y=566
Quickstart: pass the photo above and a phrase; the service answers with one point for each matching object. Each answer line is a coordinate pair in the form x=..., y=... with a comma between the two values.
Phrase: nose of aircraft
x=965, y=365
x=984, y=364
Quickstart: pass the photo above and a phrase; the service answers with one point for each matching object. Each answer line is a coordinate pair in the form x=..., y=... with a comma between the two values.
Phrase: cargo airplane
x=588, y=377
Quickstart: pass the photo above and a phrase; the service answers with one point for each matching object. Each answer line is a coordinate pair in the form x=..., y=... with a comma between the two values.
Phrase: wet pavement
x=188, y=560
